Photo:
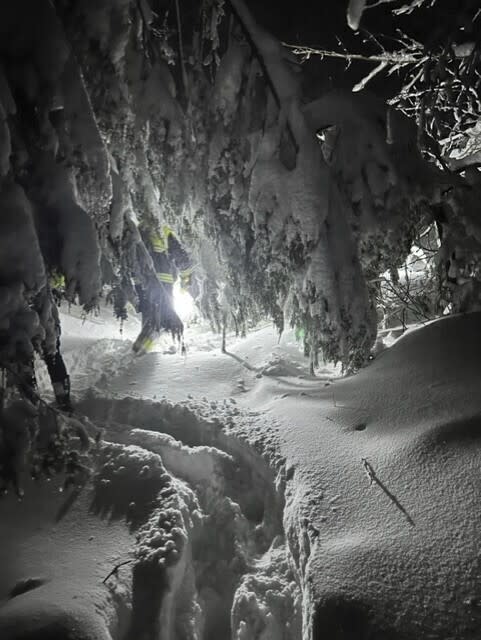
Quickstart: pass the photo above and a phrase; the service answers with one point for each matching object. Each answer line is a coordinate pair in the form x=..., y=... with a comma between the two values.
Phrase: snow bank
x=267, y=604
x=55, y=554
x=381, y=514
x=379, y=473
x=346, y=506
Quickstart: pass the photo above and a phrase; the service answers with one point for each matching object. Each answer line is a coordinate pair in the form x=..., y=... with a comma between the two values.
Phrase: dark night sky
x=319, y=24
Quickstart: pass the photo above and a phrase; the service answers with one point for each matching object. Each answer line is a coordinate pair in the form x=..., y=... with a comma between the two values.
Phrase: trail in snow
x=240, y=482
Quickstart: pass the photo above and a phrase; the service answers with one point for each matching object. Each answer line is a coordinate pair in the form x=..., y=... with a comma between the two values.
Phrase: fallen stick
x=115, y=569
x=371, y=474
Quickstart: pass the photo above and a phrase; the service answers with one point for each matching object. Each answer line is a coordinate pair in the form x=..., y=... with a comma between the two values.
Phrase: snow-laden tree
x=439, y=83
x=116, y=116
x=290, y=209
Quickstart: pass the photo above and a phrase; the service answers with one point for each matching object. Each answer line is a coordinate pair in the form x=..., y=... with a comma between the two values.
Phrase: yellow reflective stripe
x=148, y=344
x=167, y=231
x=160, y=241
x=186, y=272
x=165, y=277
x=159, y=244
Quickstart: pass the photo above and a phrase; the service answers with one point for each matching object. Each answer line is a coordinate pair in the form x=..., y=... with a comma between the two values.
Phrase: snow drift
x=344, y=508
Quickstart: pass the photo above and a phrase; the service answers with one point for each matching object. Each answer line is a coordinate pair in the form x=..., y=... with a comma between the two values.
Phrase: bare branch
x=362, y=84
x=389, y=57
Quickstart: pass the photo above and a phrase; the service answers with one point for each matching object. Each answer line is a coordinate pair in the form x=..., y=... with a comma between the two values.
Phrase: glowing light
x=183, y=304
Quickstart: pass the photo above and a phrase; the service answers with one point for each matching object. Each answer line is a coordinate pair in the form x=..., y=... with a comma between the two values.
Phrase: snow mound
x=382, y=514
x=55, y=554
x=279, y=366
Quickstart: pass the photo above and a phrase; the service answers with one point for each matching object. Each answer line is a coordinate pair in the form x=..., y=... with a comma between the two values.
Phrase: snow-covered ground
x=254, y=501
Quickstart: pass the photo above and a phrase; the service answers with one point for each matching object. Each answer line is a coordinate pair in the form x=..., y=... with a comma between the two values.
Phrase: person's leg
x=147, y=336
x=59, y=378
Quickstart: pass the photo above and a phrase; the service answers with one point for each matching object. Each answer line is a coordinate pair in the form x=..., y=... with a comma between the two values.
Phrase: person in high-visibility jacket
x=170, y=258
x=156, y=299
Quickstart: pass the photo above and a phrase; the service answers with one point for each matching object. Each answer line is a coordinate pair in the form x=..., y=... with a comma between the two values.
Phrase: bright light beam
x=183, y=304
